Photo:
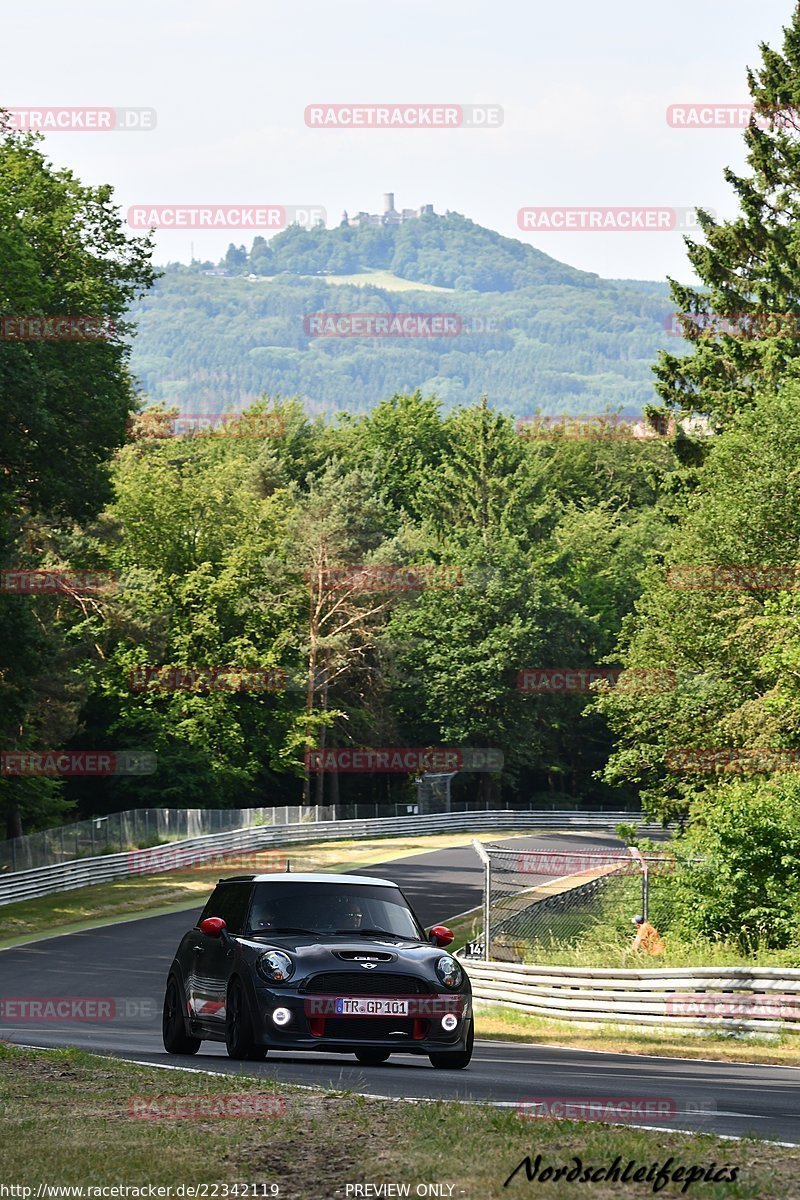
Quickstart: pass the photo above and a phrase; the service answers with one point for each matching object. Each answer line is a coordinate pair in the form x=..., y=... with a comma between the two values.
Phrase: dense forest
x=224, y=552
x=535, y=334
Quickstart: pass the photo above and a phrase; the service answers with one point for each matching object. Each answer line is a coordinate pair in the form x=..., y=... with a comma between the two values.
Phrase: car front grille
x=364, y=1029
x=365, y=983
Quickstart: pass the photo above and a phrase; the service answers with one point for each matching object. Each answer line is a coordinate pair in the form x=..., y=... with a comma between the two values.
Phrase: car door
x=213, y=956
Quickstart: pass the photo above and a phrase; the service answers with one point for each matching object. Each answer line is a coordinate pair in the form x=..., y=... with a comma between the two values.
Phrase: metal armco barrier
x=82, y=872
x=735, y=998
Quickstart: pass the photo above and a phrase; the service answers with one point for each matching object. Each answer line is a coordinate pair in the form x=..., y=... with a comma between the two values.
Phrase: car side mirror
x=213, y=927
x=440, y=935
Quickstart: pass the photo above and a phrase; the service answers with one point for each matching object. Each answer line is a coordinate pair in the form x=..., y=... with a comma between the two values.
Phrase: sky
x=584, y=91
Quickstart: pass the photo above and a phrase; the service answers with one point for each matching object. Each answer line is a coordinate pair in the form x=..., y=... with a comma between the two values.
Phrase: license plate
x=369, y=1006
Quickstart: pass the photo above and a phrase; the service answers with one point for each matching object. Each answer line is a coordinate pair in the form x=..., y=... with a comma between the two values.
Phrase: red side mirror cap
x=440, y=935
x=212, y=926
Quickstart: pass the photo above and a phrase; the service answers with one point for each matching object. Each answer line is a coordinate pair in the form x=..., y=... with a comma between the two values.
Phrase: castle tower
x=388, y=202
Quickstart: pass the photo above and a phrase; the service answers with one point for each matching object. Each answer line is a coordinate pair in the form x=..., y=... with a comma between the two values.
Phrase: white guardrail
x=728, y=998
x=82, y=872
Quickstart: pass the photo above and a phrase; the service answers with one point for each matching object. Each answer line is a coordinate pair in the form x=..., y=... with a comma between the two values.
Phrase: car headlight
x=275, y=966
x=449, y=971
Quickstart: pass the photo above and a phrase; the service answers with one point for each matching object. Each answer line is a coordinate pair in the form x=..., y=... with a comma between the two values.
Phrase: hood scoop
x=360, y=956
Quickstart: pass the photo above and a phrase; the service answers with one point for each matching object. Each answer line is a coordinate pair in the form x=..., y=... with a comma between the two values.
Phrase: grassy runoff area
x=511, y=1025
x=68, y=1121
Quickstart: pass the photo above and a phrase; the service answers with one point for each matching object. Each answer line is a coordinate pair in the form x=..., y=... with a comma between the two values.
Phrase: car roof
x=307, y=877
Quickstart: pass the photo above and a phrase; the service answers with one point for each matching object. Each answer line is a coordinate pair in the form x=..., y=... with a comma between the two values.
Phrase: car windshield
x=332, y=909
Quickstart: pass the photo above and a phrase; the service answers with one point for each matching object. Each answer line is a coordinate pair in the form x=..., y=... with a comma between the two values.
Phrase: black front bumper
x=315, y=1024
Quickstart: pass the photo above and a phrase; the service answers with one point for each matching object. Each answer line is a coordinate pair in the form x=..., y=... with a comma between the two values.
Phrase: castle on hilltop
x=389, y=216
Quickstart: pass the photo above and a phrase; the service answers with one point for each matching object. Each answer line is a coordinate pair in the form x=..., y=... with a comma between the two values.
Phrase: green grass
x=382, y=279
x=374, y=277
x=678, y=953
x=508, y=1024
x=66, y=1118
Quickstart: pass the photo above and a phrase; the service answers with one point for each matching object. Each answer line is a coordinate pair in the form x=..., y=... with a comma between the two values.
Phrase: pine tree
x=744, y=325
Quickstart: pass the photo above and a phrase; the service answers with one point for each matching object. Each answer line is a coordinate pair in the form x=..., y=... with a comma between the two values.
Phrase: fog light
x=449, y=1022
x=281, y=1016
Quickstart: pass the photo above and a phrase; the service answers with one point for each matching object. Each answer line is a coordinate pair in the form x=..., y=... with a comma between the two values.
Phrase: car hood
x=343, y=949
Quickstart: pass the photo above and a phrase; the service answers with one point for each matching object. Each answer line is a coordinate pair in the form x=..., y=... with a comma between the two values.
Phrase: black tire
x=173, y=1030
x=239, y=1035
x=372, y=1058
x=455, y=1060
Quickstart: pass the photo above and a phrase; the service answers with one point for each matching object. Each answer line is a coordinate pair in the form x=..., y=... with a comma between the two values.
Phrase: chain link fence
x=539, y=903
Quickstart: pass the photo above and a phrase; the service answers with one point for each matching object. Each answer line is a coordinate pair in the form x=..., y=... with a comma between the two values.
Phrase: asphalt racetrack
x=129, y=961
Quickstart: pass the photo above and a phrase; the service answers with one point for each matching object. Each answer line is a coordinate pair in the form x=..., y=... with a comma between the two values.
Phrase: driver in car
x=351, y=915
x=263, y=918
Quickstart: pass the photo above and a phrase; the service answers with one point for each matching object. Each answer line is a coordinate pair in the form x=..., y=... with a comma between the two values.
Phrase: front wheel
x=239, y=1035
x=173, y=1031
x=372, y=1058
x=455, y=1060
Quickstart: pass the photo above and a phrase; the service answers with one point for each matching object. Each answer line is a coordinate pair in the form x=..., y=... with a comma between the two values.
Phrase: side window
x=231, y=902
x=214, y=905
x=237, y=902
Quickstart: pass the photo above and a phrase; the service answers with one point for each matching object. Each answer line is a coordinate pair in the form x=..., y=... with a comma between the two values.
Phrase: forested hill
x=450, y=252
x=534, y=333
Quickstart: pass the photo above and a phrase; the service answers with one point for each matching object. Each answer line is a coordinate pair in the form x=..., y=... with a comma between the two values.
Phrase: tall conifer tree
x=745, y=320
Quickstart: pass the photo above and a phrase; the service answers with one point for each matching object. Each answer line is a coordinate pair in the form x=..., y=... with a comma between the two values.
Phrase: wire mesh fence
x=541, y=903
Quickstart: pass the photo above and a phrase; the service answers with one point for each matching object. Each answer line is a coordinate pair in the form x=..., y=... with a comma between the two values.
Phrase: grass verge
x=67, y=1121
x=492, y=1021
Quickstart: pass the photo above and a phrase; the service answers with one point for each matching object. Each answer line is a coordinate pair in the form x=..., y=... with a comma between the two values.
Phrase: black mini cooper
x=317, y=962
